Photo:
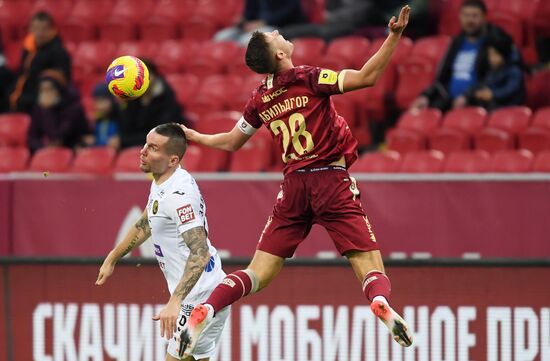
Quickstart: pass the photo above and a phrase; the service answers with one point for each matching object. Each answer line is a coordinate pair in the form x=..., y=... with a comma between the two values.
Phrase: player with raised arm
x=317, y=147
x=175, y=217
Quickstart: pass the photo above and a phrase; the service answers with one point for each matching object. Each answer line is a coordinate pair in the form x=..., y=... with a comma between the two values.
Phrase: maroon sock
x=234, y=287
x=376, y=284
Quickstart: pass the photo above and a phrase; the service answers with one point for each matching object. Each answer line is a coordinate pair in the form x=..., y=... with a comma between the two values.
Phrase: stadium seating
x=52, y=159
x=538, y=88
x=535, y=139
x=176, y=54
x=185, y=86
x=541, y=24
x=429, y=161
x=214, y=94
x=13, y=14
x=432, y=47
x=513, y=161
x=13, y=159
x=314, y=10
x=98, y=161
x=128, y=160
x=13, y=129
x=477, y=161
x=93, y=57
x=212, y=58
x=405, y=140
x=449, y=140
x=493, y=139
x=59, y=10
x=255, y=155
x=142, y=49
x=378, y=162
x=424, y=121
x=83, y=20
x=457, y=129
x=349, y=51
x=192, y=158
x=308, y=51
x=542, y=162
x=542, y=118
x=512, y=119
x=415, y=75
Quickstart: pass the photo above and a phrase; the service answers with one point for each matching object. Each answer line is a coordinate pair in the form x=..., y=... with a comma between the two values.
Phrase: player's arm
x=195, y=239
x=230, y=141
x=375, y=66
x=140, y=232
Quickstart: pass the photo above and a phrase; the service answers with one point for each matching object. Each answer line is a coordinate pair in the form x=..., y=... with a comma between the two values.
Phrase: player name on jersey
x=284, y=106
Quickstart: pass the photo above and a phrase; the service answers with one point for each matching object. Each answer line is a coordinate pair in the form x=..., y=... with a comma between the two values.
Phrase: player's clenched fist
x=105, y=272
x=397, y=26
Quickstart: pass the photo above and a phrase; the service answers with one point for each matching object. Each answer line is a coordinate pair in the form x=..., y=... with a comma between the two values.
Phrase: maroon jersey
x=295, y=106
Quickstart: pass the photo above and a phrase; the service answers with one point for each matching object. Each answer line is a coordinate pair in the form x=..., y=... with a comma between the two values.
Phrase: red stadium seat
x=351, y=50
x=214, y=93
x=59, y=10
x=237, y=65
x=401, y=52
x=535, y=139
x=477, y=161
x=98, y=161
x=430, y=161
x=378, y=162
x=493, y=139
x=14, y=16
x=542, y=162
x=542, y=118
x=255, y=155
x=405, y=140
x=314, y=10
x=83, y=20
x=449, y=140
x=222, y=16
x=199, y=28
x=542, y=26
x=415, y=75
x=538, y=88
x=185, y=86
x=140, y=49
x=192, y=158
x=164, y=20
x=432, y=47
x=128, y=160
x=12, y=52
x=13, y=159
x=176, y=54
x=93, y=57
x=52, y=159
x=308, y=51
x=512, y=119
x=512, y=24
x=513, y=161
x=212, y=58
x=117, y=31
x=423, y=121
x=242, y=95
x=469, y=119
x=14, y=128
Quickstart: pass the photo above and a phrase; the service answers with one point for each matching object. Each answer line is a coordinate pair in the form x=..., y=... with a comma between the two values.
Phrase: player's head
x=163, y=149
x=473, y=14
x=266, y=51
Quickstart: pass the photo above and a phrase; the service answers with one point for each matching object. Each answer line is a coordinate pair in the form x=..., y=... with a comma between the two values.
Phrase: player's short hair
x=43, y=16
x=476, y=4
x=259, y=56
x=177, y=142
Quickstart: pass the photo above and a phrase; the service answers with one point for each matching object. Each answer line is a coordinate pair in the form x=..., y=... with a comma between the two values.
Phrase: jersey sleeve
x=187, y=211
x=326, y=81
x=250, y=117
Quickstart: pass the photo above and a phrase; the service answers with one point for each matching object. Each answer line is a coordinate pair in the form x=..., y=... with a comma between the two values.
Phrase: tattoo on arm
x=195, y=239
x=143, y=232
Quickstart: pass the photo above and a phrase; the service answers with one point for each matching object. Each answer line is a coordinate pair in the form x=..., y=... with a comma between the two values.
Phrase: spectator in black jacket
x=504, y=84
x=465, y=63
x=58, y=118
x=263, y=15
x=42, y=49
x=6, y=80
x=157, y=106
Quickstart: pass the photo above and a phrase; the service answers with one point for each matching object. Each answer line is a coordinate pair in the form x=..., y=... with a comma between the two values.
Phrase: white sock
x=381, y=299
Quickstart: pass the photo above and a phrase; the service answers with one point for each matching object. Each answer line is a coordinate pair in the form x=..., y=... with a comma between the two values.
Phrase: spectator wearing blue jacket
x=504, y=83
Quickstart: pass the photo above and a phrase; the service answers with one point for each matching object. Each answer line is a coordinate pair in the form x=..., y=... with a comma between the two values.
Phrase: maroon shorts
x=327, y=196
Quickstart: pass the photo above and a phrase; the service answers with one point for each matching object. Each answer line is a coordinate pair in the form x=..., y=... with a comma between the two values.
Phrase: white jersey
x=174, y=207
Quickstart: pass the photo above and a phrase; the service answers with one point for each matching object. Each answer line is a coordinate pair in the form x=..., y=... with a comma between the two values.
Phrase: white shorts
x=208, y=340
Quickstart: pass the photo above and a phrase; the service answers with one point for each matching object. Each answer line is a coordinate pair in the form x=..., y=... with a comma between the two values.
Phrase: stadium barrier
x=413, y=216
x=458, y=310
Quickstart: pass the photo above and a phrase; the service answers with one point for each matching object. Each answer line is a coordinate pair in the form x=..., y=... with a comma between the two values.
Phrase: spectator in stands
x=58, y=118
x=263, y=15
x=157, y=106
x=42, y=49
x=6, y=80
x=106, y=114
x=465, y=63
x=504, y=84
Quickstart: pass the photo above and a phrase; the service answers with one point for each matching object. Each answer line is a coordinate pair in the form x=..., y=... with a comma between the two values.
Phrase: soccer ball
x=127, y=77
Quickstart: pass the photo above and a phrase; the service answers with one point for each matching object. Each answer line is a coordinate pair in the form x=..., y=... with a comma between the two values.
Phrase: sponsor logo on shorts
x=186, y=214
x=369, y=227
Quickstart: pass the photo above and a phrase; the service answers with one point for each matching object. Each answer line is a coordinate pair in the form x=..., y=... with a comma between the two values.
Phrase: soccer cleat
x=394, y=322
x=199, y=318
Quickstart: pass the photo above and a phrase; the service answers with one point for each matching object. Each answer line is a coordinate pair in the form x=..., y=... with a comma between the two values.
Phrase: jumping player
x=317, y=148
x=175, y=217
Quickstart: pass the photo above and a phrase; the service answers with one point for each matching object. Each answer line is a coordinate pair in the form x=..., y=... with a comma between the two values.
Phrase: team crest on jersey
x=186, y=214
x=328, y=77
x=155, y=206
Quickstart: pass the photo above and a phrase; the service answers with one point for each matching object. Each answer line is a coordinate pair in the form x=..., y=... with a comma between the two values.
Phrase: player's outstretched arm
x=230, y=141
x=375, y=66
x=135, y=237
x=195, y=239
